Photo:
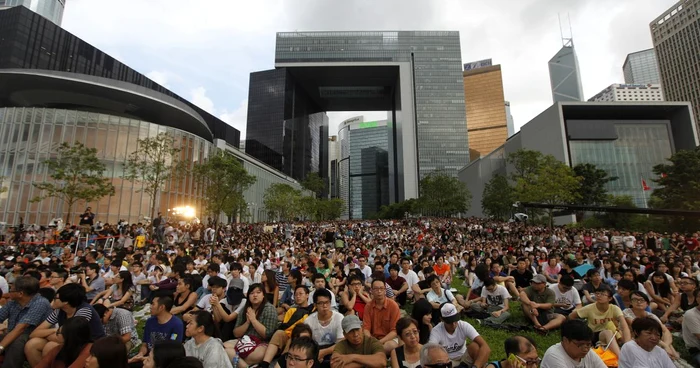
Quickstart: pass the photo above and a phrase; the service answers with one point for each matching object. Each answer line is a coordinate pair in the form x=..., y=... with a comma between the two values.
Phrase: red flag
x=645, y=187
x=663, y=175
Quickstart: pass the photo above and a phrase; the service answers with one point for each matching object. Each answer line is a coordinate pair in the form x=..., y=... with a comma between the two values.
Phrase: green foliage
x=592, y=190
x=543, y=179
x=498, y=198
x=397, y=210
x=224, y=179
x=3, y=189
x=77, y=175
x=314, y=183
x=329, y=209
x=155, y=162
x=443, y=195
x=679, y=187
x=282, y=201
x=620, y=221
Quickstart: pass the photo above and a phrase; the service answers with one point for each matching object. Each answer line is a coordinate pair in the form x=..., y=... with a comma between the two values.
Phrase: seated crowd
x=336, y=296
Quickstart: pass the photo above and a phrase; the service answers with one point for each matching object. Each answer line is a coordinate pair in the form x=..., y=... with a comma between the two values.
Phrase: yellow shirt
x=597, y=319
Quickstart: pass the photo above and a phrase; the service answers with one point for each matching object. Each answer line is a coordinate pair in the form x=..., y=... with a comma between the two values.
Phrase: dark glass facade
x=286, y=128
x=30, y=41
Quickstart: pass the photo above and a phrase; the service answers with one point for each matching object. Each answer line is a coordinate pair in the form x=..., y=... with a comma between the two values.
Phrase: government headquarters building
x=55, y=88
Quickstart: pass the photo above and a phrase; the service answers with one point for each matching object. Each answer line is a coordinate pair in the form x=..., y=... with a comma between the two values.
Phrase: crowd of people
x=344, y=294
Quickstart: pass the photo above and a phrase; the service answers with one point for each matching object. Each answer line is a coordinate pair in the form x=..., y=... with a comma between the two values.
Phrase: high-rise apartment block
x=676, y=37
x=564, y=74
x=641, y=68
x=49, y=9
x=629, y=92
x=487, y=122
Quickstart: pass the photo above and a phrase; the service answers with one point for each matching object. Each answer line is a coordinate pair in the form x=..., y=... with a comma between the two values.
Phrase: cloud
x=159, y=77
x=237, y=118
x=198, y=96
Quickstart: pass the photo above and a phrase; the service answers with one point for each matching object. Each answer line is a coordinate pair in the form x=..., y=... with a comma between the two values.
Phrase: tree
x=679, y=187
x=397, y=210
x=77, y=175
x=3, y=189
x=224, y=179
x=282, y=201
x=330, y=209
x=526, y=164
x=498, y=198
x=443, y=195
x=308, y=207
x=619, y=221
x=552, y=183
x=155, y=161
x=314, y=183
x=593, y=180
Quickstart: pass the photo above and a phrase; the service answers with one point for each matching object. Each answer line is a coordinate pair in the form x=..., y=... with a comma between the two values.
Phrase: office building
x=413, y=75
x=564, y=74
x=625, y=139
x=676, y=38
x=49, y=9
x=333, y=158
x=641, y=68
x=629, y=92
x=487, y=122
x=55, y=88
x=363, y=167
x=510, y=123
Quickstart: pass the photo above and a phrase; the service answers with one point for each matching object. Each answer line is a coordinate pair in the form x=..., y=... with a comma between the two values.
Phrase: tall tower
x=675, y=37
x=641, y=68
x=49, y=9
x=564, y=75
x=484, y=102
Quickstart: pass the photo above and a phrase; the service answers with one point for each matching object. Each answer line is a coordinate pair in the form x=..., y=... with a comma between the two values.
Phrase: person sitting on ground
x=407, y=355
x=523, y=348
x=319, y=282
x=537, y=302
x=566, y=298
x=355, y=298
x=644, y=351
x=381, y=316
x=120, y=294
x=299, y=331
x=164, y=353
x=25, y=310
x=640, y=304
x=75, y=348
x=205, y=344
x=302, y=353
x=606, y=320
x=434, y=356
x=574, y=350
x=357, y=349
x=296, y=315
x=494, y=301
x=107, y=352
x=254, y=328
x=437, y=296
x=422, y=313
x=119, y=322
x=422, y=287
x=595, y=283
x=521, y=274
x=69, y=302
x=161, y=326
x=502, y=278
x=691, y=331
x=685, y=301
x=452, y=334
x=185, y=297
x=326, y=325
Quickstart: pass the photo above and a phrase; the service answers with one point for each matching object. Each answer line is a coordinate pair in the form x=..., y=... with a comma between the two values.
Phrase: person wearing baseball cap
x=452, y=334
x=357, y=349
x=537, y=302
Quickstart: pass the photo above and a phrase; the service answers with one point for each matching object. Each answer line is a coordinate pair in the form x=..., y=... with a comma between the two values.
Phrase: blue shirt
x=32, y=314
x=155, y=332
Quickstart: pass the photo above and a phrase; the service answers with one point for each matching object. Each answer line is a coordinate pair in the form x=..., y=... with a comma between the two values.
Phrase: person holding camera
x=91, y=280
x=87, y=219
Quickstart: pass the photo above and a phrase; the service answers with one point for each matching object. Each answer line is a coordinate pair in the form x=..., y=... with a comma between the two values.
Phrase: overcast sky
x=204, y=50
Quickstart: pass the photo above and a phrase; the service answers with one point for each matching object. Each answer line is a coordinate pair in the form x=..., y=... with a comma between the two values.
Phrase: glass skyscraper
x=641, y=68
x=564, y=75
x=49, y=9
x=415, y=75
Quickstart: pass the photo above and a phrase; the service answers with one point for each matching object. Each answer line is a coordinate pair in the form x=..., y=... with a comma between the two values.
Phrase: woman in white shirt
x=644, y=350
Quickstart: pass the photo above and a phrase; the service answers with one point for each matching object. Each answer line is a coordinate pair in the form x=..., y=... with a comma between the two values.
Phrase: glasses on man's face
x=438, y=365
x=356, y=284
x=637, y=300
x=585, y=345
x=323, y=304
x=378, y=289
x=295, y=359
x=531, y=362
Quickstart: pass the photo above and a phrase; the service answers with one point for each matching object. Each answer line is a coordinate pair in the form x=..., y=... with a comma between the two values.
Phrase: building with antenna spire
x=564, y=75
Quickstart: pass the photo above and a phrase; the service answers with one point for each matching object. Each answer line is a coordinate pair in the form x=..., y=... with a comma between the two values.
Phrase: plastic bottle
x=235, y=360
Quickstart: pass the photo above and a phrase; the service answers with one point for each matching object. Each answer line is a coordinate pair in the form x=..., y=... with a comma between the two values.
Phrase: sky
x=205, y=50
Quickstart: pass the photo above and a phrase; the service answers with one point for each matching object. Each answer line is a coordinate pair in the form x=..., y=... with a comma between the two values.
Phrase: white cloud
x=198, y=96
x=237, y=118
x=159, y=77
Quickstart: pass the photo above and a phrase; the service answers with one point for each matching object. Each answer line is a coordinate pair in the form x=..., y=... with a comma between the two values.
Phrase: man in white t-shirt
x=452, y=334
x=217, y=304
x=574, y=350
x=644, y=350
x=566, y=298
x=409, y=275
x=366, y=270
x=326, y=324
x=691, y=331
x=494, y=301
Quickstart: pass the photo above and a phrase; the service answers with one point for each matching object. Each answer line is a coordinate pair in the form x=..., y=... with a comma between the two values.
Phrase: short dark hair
x=394, y=267
x=94, y=266
x=378, y=279
x=306, y=289
x=641, y=295
x=428, y=270
x=205, y=319
x=405, y=323
x=317, y=276
x=646, y=323
x=512, y=345
x=217, y=281
x=576, y=329
x=307, y=344
x=431, y=278
x=166, y=302
x=627, y=285
x=567, y=280
x=235, y=266
x=296, y=274
x=167, y=351
x=489, y=282
x=100, y=309
x=214, y=267
x=321, y=293
x=73, y=294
